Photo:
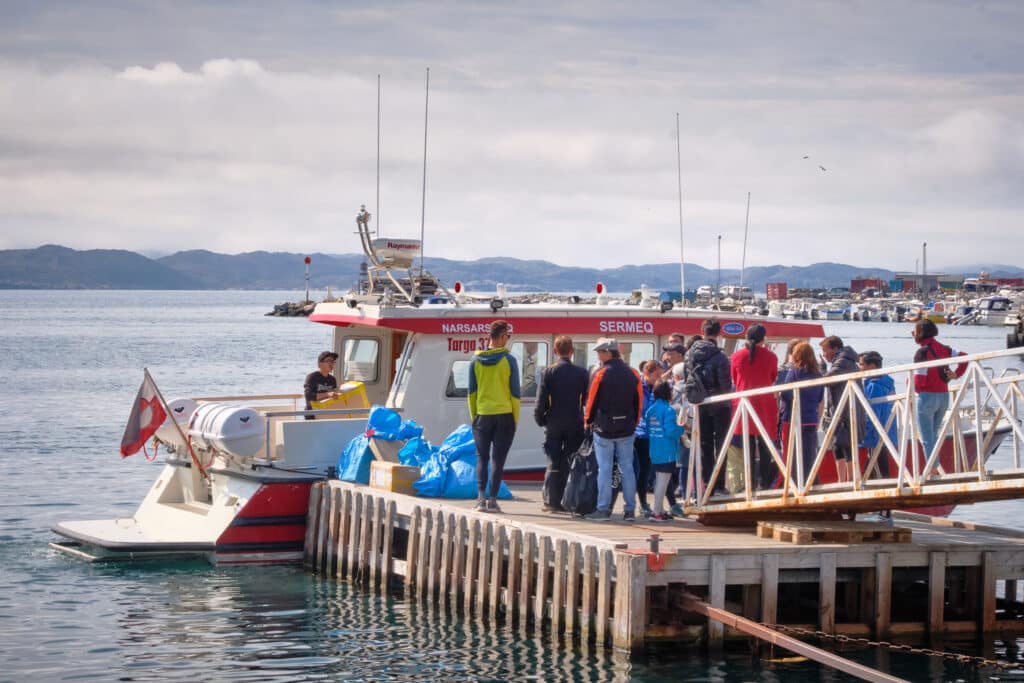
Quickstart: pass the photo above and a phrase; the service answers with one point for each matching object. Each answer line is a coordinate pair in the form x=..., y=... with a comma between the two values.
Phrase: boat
x=995, y=311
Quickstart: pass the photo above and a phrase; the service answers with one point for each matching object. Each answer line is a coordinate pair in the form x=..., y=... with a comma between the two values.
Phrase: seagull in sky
x=807, y=156
x=823, y=169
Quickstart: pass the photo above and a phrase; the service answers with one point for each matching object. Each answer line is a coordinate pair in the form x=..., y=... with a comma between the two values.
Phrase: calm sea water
x=70, y=363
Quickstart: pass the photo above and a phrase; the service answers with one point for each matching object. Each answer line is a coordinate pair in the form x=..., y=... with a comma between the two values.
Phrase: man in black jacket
x=560, y=402
x=712, y=366
x=840, y=360
x=615, y=402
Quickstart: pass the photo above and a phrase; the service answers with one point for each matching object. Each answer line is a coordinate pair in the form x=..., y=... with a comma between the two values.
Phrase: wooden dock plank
x=588, y=595
x=447, y=548
x=484, y=566
x=497, y=565
x=412, y=558
x=312, y=518
x=558, y=585
x=769, y=588
x=604, y=596
x=716, y=598
x=936, y=591
x=883, y=594
x=572, y=579
x=459, y=562
x=526, y=585
x=542, y=574
x=469, y=578
x=387, y=550
x=827, y=593
x=515, y=549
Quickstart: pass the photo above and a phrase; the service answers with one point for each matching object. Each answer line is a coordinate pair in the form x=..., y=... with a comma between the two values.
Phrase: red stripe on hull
x=263, y=534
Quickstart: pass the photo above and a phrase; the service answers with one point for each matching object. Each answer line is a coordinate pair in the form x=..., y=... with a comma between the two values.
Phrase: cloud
x=552, y=129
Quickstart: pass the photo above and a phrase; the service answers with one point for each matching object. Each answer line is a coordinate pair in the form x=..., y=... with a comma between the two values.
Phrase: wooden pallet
x=802, y=533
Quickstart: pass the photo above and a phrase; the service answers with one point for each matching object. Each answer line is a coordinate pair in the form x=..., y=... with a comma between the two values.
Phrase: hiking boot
x=492, y=505
x=598, y=516
x=661, y=517
x=628, y=516
x=481, y=505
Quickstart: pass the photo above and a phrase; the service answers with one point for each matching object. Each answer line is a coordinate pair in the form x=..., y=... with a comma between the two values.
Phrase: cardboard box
x=386, y=450
x=391, y=476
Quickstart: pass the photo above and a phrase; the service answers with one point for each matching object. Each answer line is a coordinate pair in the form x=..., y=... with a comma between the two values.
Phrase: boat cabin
x=416, y=359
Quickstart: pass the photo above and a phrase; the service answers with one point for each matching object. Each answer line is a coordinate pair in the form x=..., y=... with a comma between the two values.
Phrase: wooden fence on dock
x=477, y=562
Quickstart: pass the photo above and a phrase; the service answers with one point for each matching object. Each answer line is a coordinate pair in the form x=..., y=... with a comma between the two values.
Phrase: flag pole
x=170, y=415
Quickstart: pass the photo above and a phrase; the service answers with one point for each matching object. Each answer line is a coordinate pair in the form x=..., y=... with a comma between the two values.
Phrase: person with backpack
x=932, y=384
x=614, y=409
x=707, y=374
x=559, y=410
x=663, y=432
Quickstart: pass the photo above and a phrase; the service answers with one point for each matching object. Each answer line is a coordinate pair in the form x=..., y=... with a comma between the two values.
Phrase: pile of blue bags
x=446, y=471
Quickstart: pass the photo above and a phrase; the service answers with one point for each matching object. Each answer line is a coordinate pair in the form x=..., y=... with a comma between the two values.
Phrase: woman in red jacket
x=753, y=367
x=932, y=384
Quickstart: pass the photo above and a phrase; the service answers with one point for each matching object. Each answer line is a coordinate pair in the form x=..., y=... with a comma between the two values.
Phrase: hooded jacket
x=663, y=430
x=844, y=362
x=494, y=384
x=878, y=388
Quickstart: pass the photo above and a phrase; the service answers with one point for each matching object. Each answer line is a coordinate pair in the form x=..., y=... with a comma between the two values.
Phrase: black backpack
x=700, y=381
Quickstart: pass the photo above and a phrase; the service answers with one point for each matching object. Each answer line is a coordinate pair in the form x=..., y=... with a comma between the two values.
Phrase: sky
x=860, y=130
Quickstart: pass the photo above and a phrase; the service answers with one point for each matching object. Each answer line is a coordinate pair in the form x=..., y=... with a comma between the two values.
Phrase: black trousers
x=493, y=436
x=560, y=444
x=642, y=467
x=714, y=423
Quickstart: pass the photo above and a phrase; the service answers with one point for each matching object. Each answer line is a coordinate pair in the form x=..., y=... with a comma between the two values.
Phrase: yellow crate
x=350, y=395
x=391, y=476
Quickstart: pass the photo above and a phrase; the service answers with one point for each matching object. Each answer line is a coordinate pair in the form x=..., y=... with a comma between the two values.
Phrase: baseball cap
x=606, y=344
x=324, y=355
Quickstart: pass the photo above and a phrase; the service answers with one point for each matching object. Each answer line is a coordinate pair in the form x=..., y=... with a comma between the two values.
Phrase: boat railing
x=984, y=409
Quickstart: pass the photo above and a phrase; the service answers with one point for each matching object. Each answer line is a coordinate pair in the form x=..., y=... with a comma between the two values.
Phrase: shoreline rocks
x=292, y=309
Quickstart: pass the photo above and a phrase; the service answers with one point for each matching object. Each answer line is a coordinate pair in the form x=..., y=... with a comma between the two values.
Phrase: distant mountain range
x=56, y=267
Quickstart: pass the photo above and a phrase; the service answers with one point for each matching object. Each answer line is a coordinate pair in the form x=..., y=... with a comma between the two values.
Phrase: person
x=321, y=385
x=931, y=384
x=876, y=391
x=754, y=367
x=787, y=362
x=664, y=432
x=494, y=410
x=559, y=410
x=706, y=358
x=672, y=353
x=804, y=367
x=614, y=402
x=840, y=360
x=650, y=374
x=684, y=412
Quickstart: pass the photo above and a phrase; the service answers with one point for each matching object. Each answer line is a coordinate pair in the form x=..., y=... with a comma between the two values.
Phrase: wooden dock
x=603, y=583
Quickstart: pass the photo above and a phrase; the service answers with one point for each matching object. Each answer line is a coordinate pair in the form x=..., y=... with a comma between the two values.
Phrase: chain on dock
x=899, y=647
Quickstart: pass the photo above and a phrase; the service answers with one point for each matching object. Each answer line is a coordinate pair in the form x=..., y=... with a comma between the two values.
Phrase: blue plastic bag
x=416, y=452
x=450, y=471
x=354, y=463
x=385, y=423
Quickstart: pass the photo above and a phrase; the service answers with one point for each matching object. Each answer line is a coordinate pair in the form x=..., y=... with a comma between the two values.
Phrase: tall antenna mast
x=743, y=263
x=423, y=206
x=679, y=176
x=377, y=209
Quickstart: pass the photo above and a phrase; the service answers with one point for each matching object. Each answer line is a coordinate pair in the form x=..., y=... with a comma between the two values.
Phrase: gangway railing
x=984, y=411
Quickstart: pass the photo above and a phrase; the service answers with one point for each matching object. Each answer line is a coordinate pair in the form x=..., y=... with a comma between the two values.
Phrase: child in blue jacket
x=664, y=433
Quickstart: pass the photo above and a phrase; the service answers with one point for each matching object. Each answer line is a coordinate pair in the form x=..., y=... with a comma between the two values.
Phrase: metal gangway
x=984, y=415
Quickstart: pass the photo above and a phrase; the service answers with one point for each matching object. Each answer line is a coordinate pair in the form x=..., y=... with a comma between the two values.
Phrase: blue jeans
x=931, y=409
x=609, y=451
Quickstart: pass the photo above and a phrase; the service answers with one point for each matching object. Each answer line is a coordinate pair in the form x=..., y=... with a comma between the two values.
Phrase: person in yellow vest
x=494, y=409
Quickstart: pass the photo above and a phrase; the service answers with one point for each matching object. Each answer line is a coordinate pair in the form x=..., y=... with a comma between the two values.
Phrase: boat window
x=360, y=359
x=458, y=380
x=532, y=356
x=633, y=353
x=403, y=375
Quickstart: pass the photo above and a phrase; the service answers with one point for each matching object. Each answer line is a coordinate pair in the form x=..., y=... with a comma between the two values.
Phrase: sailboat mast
x=743, y=262
x=377, y=208
x=423, y=205
x=679, y=177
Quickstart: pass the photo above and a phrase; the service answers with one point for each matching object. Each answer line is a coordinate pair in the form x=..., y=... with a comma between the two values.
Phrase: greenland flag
x=147, y=415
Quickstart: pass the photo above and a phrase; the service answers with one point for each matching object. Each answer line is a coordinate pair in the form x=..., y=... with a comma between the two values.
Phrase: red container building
x=777, y=290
